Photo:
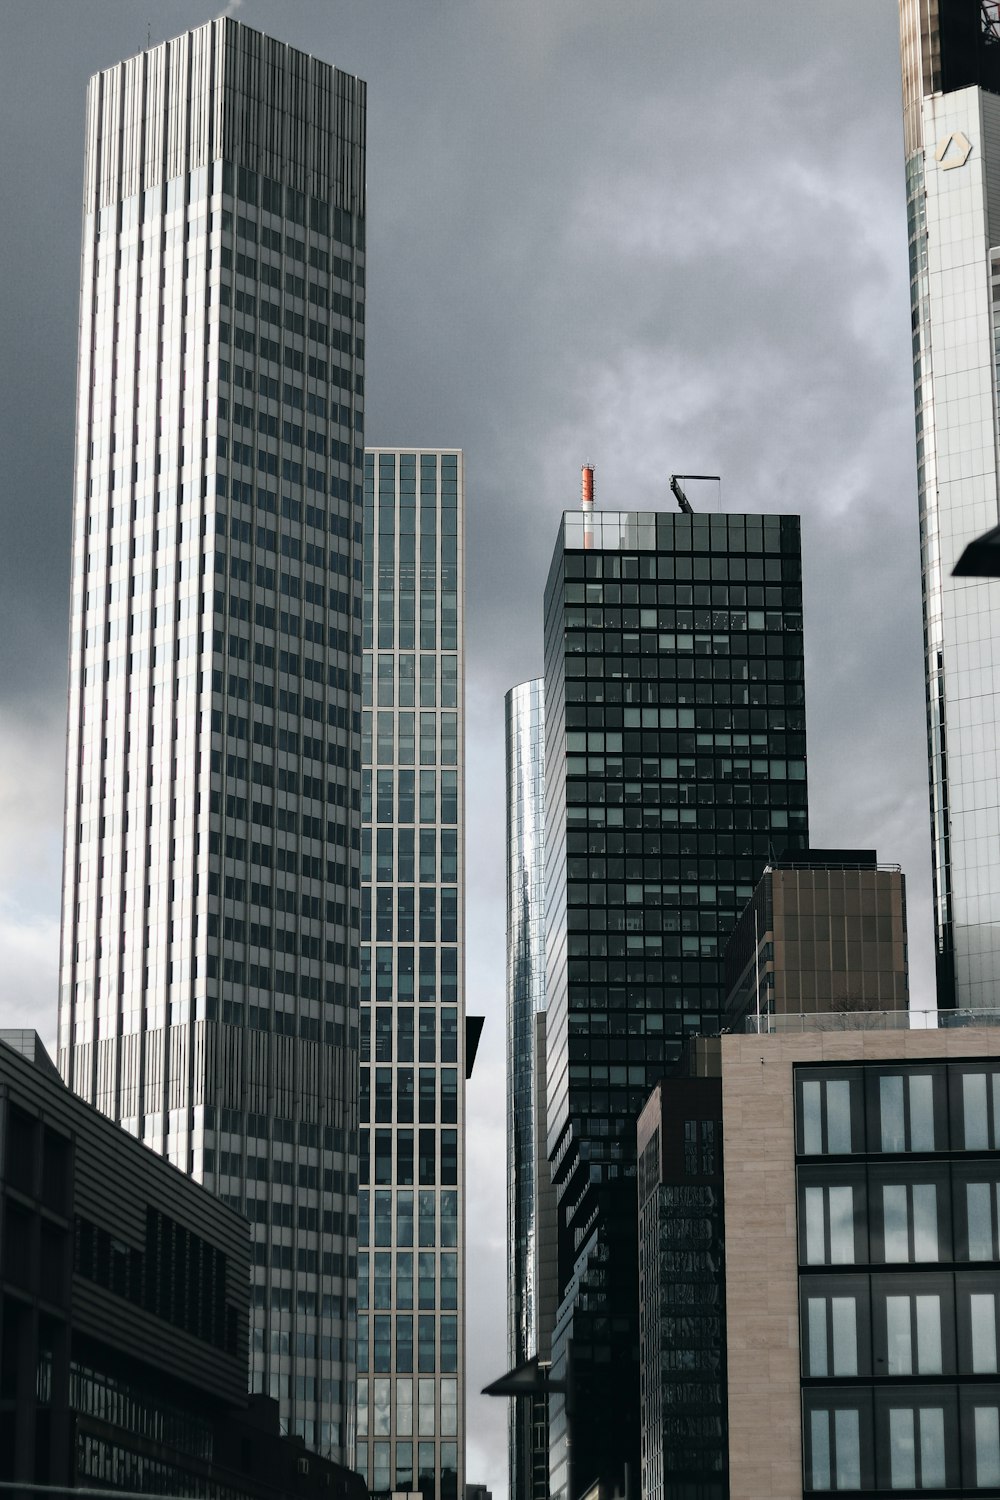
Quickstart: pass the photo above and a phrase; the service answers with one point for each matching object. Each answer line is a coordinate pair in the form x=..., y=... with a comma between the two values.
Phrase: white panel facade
x=209, y=973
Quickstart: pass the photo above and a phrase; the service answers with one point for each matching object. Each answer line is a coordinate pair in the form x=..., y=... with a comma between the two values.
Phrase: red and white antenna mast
x=587, y=504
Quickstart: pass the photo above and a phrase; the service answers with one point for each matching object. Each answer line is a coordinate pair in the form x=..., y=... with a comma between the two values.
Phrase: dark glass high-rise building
x=675, y=767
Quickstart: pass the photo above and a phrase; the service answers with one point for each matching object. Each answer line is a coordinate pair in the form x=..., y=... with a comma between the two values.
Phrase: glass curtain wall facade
x=209, y=967
x=411, y=1267
x=951, y=83
x=675, y=764
x=529, y=1329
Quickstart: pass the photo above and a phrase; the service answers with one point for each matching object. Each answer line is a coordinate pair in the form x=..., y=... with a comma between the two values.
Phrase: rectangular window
x=909, y=1222
x=404, y=1408
x=830, y=1115
x=983, y=1323
x=986, y=1426
x=980, y=1224
x=910, y=1111
x=835, y=1326
x=978, y=1107
x=829, y=1237
x=835, y=1443
x=913, y=1335
x=916, y=1447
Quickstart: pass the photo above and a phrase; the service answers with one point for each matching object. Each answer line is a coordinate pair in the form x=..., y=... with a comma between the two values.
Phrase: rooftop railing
x=869, y=1020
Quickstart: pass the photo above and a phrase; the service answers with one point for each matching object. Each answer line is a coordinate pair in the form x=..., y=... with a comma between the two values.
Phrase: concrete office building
x=674, y=764
x=208, y=998
x=531, y=1230
x=411, y=1259
x=951, y=104
x=124, y=1314
x=825, y=930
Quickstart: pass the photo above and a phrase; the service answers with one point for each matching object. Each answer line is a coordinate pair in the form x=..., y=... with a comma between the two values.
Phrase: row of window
x=395, y=797
x=919, y=1323
x=668, y=564
x=395, y=1024
x=713, y=688
x=938, y=1107
x=382, y=1476
x=436, y=1344
x=407, y=1158
x=387, y=1288
x=396, y=681
x=387, y=1218
x=395, y=738
x=397, y=981
x=892, y=1215
x=396, y=1097
x=396, y=848
x=940, y=1438
x=394, y=915
x=390, y=1398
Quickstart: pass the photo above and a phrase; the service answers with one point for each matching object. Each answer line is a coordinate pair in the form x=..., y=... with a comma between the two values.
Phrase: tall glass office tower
x=674, y=767
x=530, y=1236
x=951, y=104
x=411, y=1266
x=209, y=981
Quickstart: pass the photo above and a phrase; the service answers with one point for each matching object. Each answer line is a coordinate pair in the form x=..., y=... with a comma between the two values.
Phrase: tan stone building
x=862, y=1179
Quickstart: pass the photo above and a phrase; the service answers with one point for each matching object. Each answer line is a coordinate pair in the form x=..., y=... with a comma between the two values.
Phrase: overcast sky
x=658, y=236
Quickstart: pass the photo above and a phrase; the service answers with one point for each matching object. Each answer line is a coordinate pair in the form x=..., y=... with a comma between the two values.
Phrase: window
x=976, y=1108
x=917, y=1439
x=909, y=1331
x=909, y=1110
x=827, y=1224
x=987, y=1440
x=837, y=1441
x=978, y=1323
x=977, y=1226
x=906, y=1219
x=830, y=1119
x=830, y=1343
x=981, y=1437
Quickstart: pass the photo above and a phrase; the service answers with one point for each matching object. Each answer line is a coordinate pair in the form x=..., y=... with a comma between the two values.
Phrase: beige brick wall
x=765, y=1445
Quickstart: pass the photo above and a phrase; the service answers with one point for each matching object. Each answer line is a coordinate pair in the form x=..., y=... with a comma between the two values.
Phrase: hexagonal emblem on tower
x=953, y=151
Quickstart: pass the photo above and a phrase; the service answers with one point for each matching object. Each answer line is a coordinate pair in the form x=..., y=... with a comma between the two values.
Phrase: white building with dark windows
x=209, y=976
x=951, y=103
x=414, y=1062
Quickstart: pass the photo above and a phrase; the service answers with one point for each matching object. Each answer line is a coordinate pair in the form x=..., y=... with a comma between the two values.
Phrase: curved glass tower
x=528, y=1326
x=951, y=108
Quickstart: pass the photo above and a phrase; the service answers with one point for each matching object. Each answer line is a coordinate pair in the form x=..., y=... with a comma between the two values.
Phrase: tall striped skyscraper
x=209, y=984
x=411, y=1258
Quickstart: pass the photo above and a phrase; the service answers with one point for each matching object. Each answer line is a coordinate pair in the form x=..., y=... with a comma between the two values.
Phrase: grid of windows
x=210, y=935
x=410, y=1401
x=675, y=766
x=899, y=1284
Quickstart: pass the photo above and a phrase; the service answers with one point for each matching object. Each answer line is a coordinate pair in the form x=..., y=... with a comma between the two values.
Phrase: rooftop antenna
x=679, y=495
x=587, y=504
